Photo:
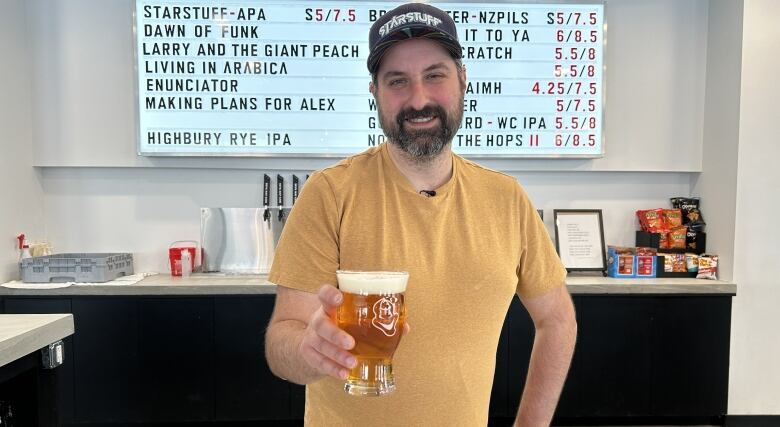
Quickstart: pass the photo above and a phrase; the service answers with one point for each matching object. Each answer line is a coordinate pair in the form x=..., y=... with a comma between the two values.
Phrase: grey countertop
x=22, y=334
x=221, y=284
x=609, y=285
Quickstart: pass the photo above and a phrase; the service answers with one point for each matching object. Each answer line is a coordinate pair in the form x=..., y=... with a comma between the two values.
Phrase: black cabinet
x=167, y=359
x=245, y=387
x=66, y=372
x=297, y=401
x=499, y=401
x=142, y=360
x=636, y=356
x=520, y=337
x=612, y=370
x=201, y=359
x=690, y=348
x=176, y=359
x=108, y=386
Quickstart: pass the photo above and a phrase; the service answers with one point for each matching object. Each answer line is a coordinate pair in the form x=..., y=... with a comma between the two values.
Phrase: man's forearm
x=550, y=360
x=282, y=343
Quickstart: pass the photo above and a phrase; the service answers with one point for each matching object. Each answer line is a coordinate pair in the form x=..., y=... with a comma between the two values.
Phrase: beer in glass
x=373, y=312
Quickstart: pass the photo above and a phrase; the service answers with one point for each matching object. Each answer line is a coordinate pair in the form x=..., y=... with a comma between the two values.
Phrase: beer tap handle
x=295, y=186
x=266, y=199
x=280, y=196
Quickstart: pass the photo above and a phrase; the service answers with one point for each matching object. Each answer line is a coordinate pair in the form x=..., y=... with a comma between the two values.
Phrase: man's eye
x=396, y=82
x=435, y=76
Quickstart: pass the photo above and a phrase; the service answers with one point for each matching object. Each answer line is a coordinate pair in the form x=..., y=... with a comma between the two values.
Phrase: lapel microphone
x=428, y=193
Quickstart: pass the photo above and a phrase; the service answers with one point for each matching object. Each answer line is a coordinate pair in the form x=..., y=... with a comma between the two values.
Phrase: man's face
x=419, y=93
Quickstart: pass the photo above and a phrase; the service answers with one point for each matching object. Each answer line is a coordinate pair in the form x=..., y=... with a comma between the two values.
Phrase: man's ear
x=463, y=76
x=372, y=88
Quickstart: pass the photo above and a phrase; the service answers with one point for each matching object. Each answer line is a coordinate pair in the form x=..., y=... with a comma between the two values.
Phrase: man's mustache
x=427, y=111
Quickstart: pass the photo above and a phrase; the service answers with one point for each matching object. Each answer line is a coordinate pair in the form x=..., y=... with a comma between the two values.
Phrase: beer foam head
x=372, y=282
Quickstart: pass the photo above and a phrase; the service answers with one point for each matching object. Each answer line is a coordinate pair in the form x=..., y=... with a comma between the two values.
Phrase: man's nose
x=419, y=97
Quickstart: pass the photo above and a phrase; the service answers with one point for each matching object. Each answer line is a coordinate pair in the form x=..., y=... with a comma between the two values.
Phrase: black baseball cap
x=411, y=20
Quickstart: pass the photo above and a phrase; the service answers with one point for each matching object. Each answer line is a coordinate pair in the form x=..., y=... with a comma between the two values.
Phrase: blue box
x=621, y=262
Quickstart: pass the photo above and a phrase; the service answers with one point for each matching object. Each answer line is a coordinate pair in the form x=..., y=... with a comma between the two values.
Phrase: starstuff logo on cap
x=411, y=20
x=408, y=18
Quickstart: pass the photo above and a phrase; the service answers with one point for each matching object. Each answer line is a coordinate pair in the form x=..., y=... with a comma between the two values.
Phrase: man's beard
x=423, y=145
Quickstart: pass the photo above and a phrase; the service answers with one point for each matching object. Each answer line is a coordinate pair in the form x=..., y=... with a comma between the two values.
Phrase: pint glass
x=373, y=312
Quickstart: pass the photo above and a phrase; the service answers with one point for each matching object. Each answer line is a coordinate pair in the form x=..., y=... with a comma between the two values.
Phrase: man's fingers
x=324, y=327
x=331, y=299
x=324, y=364
x=336, y=354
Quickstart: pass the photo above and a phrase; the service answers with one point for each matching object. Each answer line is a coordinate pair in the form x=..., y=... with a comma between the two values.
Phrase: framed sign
x=579, y=239
x=289, y=78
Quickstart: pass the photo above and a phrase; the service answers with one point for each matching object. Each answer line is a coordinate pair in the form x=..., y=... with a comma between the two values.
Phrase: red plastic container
x=174, y=255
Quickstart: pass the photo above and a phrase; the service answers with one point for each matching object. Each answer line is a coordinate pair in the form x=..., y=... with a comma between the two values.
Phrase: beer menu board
x=290, y=79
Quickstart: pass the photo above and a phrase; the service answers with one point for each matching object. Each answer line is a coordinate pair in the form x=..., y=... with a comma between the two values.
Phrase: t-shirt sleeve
x=307, y=254
x=539, y=270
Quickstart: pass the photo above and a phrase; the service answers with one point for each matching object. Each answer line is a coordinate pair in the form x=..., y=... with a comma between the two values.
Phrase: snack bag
x=691, y=215
x=678, y=263
x=691, y=237
x=668, y=262
x=663, y=242
x=692, y=262
x=672, y=218
x=676, y=237
x=640, y=250
x=708, y=267
x=651, y=220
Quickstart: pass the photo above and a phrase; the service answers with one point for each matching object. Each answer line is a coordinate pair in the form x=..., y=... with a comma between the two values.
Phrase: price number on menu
x=330, y=15
x=572, y=18
x=564, y=88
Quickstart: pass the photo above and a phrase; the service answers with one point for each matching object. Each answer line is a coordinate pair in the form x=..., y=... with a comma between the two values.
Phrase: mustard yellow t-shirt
x=468, y=250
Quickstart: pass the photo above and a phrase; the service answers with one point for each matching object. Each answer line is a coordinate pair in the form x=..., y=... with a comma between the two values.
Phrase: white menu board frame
x=572, y=126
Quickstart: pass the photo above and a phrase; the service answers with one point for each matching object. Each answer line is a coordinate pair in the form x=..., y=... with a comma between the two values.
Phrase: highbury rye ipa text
x=373, y=312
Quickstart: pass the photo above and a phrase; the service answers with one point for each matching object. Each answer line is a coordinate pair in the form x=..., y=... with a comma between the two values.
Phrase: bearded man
x=412, y=205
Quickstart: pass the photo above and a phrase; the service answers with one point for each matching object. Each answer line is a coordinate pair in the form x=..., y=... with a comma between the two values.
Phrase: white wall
x=83, y=57
x=755, y=347
x=21, y=197
x=142, y=210
x=717, y=184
